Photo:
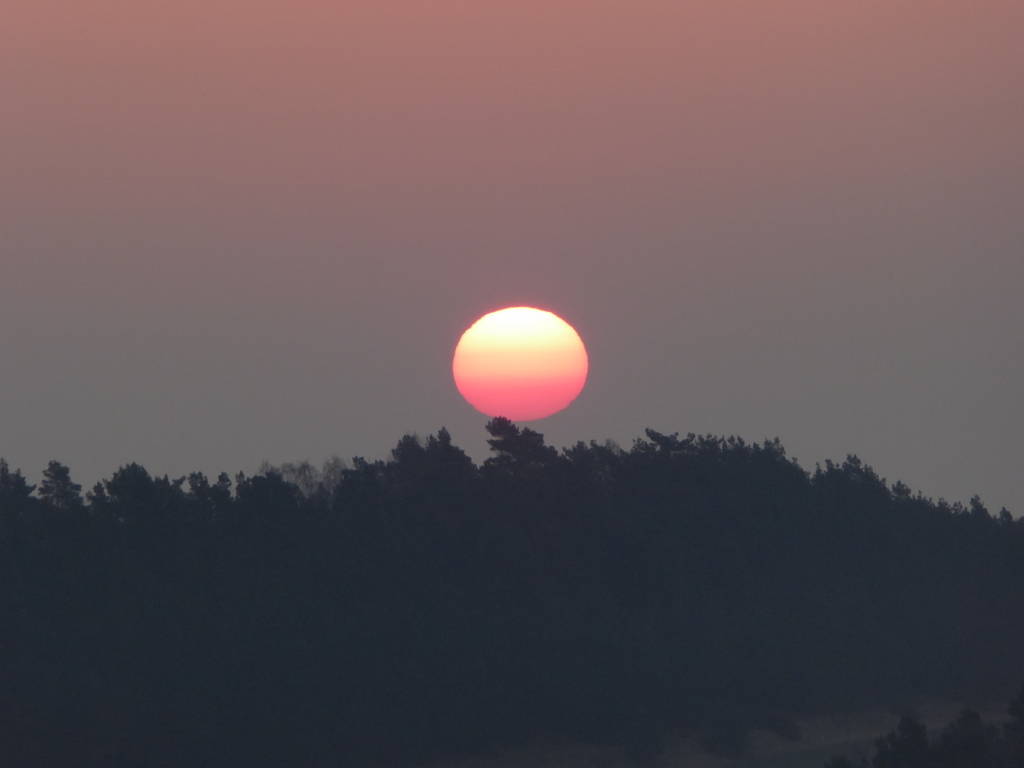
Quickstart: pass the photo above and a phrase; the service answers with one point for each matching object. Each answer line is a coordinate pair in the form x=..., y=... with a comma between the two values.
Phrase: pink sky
x=239, y=231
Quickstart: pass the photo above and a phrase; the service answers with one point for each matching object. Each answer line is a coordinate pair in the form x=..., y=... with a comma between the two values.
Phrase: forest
x=397, y=611
x=967, y=742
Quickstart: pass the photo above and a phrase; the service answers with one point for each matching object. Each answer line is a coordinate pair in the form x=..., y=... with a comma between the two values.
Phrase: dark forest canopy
x=423, y=605
x=967, y=742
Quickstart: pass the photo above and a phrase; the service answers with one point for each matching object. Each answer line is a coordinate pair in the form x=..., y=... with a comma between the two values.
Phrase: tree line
x=967, y=742
x=419, y=606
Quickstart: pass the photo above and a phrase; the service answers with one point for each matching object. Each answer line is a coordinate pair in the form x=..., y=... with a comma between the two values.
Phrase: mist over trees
x=409, y=608
x=967, y=742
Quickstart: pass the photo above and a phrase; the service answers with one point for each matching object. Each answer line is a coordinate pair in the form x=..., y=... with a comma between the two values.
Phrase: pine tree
x=57, y=491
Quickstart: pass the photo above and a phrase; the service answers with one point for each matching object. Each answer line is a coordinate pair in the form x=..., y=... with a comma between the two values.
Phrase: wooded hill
x=420, y=606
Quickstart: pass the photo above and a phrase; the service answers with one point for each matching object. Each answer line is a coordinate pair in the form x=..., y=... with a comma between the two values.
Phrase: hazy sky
x=237, y=231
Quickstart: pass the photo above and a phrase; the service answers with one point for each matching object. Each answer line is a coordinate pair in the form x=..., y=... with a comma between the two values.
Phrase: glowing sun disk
x=521, y=363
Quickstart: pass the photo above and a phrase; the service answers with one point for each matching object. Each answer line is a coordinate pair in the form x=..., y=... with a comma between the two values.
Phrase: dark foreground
x=401, y=610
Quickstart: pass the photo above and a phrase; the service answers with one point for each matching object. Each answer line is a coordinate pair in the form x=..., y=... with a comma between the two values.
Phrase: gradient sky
x=238, y=231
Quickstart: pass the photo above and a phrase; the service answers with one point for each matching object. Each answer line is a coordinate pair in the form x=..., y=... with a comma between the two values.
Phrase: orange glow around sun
x=520, y=363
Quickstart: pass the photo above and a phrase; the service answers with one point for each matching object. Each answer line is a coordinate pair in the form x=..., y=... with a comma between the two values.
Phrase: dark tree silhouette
x=400, y=610
x=905, y=747
x=516, y=450
x=15, y=492
x=1014, y=729
x=57, y=491
x=967, y=742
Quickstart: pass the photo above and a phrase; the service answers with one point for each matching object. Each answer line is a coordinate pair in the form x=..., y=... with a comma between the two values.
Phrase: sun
x=521, y=363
